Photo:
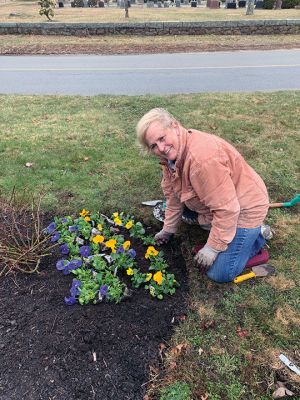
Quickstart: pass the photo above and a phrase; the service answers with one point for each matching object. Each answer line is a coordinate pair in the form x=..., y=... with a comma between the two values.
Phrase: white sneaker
x=266, y=232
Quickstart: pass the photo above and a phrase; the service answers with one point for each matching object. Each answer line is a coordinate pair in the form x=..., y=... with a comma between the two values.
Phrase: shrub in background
x=47, y=8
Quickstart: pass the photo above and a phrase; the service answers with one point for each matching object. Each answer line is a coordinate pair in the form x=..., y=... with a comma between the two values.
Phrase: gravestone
x=231, y=5
x=101, y=3
x=177, y=3
x=194, y=3
x=259, y=4
x=242, y=3
x=150, y=4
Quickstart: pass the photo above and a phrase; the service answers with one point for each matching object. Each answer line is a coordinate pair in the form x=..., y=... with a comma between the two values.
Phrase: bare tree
x=126, y=3
x=250, y=7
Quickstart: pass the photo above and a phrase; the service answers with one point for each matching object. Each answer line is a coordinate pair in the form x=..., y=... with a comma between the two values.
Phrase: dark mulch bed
x=47, y=347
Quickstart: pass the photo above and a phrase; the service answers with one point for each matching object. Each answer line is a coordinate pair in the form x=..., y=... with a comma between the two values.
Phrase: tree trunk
x=126, y=9
x=250, y=7
x=277, y=5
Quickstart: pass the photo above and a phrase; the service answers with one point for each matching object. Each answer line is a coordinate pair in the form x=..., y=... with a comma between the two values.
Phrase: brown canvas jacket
x=213, y=179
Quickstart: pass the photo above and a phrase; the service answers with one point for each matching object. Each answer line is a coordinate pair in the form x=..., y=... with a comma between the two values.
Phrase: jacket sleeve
x=213, y=185
x=174, y=207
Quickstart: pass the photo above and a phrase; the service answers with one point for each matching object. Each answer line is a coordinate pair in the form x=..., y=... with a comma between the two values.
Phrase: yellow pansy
x=98, y=239
x=111, y=243
x=129, y=271
x=115, y=214
x=148, y=277
x=99, y=227
x=84, y=213
x=129, y=224
x=117, y=221
x=126, y=245
x=87, y=219
x=151, y=251
x=158, y=277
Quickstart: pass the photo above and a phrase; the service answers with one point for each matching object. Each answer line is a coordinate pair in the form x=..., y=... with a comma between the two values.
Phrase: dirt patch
x=111, y=49
x=53, y=351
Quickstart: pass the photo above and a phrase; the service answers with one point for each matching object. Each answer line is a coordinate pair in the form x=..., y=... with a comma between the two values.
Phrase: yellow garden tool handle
x=244, y=277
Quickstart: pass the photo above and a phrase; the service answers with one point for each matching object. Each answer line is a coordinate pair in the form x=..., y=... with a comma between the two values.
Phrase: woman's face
x=163, y=142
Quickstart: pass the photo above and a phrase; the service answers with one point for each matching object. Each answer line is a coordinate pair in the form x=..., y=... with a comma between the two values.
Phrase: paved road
x=243, y=71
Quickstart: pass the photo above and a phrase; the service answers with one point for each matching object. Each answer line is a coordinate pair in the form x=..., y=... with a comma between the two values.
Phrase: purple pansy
x=70, y=300
x=75, y=288
x=131, y=253
x=73, y=228
x=64, y=249
x=61, y=264
x=55, y=236
x=103, y=290
x=64, y=220
x=50, y=228
x=85, y=251
x=120, y=250
x=74, y=264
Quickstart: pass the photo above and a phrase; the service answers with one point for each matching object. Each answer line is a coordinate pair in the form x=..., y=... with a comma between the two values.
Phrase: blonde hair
x=155, y=115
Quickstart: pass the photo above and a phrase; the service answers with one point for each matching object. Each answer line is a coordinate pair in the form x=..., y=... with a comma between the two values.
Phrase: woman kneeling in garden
x=210, y=177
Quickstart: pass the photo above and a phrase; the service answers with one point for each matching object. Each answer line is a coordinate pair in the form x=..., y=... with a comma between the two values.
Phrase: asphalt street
x=242, y=71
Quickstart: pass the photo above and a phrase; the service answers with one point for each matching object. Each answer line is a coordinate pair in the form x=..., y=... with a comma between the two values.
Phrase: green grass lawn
x=83, y=154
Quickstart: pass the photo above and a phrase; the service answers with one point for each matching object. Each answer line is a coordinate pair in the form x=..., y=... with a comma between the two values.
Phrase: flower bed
x=99, y=252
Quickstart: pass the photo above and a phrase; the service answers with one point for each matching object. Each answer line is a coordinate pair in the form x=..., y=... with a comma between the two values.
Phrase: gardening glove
x=162, y=237
x=206, y=257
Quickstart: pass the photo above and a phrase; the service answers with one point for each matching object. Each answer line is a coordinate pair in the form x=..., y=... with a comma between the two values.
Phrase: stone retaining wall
x=258, y=27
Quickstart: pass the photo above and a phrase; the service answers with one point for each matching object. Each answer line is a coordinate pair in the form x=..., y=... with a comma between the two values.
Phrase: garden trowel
x=257, y=271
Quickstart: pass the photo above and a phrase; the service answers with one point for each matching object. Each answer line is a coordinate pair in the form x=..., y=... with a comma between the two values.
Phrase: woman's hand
x=206, y=256
x=162, y=237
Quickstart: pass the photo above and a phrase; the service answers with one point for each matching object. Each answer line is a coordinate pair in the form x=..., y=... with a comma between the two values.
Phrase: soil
x=107, y=49
x=53, y=351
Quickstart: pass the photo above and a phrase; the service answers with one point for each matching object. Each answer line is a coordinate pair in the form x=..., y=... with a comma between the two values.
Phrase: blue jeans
x=231, y=262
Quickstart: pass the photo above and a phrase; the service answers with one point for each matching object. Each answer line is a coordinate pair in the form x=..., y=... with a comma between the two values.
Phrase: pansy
x=158, y=277
x=131, y=253
x=61, y=264
x=103, y=290
x=75, y=288
x=151, y=251
x=117, y=221
x=55, y=237
x=120, y=250
x=126, y=245
x=148, y=277
x=84, y=213
x=129, y=271
x=74, y=264
x=73, y=228
x=111, y=244
x=64, y=220
x=115, y=214
x=64, y=249
x=70, y=300
x=129, y=224
x=98, y=239
x=99, y=226
x=87, y=219
x=85, y=251
x=50, y=228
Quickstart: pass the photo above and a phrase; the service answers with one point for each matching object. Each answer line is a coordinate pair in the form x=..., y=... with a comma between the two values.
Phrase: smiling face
x=163, y=142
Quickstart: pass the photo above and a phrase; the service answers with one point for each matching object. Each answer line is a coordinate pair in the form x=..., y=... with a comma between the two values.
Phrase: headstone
x=101, y=3
x=177, y=3
x=159, y=4
x=166, y=4
x=121, y=3
x=242, y=3
x=150, y=4
x=231, y=5
x=194, y=3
